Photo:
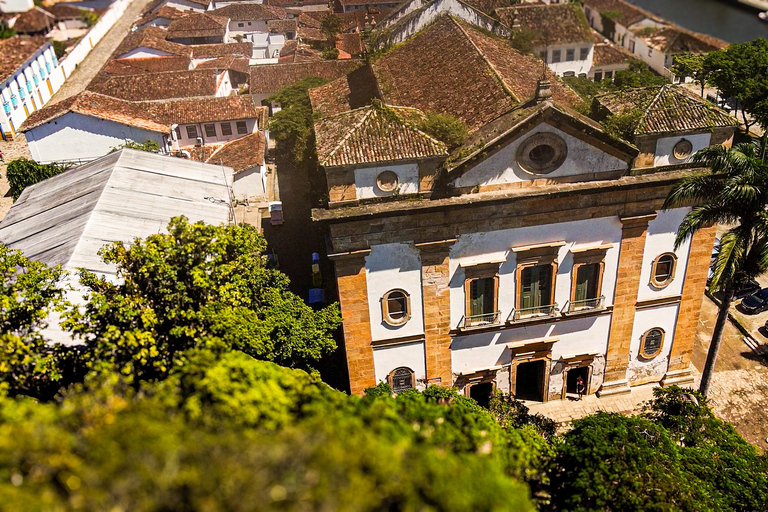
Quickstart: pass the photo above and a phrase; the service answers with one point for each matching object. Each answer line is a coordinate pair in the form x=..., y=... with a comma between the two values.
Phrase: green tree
x=149, y=145
x=637, y=75
x=444, y=127
x=292, y=125
x=623, y=126
x=22, y=173
x=331, y=25
x=692, y=65
x=199, y=285
x=330, y=53
x=740, y=71
x=5, y=31
x=732, y=191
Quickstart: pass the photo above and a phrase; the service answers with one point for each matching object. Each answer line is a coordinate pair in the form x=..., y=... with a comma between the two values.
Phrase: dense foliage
x=23, y=172
x=445, y=128
x=148, y=145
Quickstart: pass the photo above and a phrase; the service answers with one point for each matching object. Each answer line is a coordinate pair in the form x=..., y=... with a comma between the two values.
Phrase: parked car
x=747, y=288
x=756, y=302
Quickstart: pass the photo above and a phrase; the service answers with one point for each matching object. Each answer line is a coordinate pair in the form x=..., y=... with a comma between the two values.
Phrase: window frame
x=191, y=130
x=570, y=54
x=385, y=313
x=244, y=125
x=534, y=257
x=591, y=257
x=663, y=284
x=212, y=126
x=474, y=273
x=556, y=56
x=391, y=379
x=584, y=53
x=228, y=129
x=643, y=340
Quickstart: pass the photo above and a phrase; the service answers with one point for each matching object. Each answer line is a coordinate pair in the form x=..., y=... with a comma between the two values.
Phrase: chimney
x=543, y=92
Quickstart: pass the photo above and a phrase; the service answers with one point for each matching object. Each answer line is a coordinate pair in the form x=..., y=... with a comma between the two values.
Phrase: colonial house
x=672, y=123
x=149, y=42
x=528, y=257
x=362, y=5
x=161, y=17
x=130, y=194
x=648, y=37
x=163, y=85
x=251, y=18
x=246, y=156
x=181, y=5
x=561, y=36
x=29, y=76
x=90, y=125
x=199, y=28
x=293, y=5
x=607, y=59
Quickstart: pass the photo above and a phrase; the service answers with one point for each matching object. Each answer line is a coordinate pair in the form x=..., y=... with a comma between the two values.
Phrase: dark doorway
x=529, y=383
x=573, y=375
x=481, y=393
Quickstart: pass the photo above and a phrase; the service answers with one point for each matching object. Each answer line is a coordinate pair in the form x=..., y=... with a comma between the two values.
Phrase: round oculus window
x=542, y=153
x=683, y=149
x=387, y=181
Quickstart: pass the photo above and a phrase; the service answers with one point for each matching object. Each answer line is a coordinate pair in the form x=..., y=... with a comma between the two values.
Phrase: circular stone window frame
x=663, y=284
x=643, y=340
x=538, y=139
x=684, y=154
x=393, y=184
x=386, y=317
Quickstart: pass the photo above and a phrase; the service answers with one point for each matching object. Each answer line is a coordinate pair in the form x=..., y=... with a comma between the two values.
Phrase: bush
x=445, y=128
x=330, y=53
x=23, y=172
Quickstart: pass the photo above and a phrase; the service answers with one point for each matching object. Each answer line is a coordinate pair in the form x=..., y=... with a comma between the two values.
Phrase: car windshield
x=757, y=297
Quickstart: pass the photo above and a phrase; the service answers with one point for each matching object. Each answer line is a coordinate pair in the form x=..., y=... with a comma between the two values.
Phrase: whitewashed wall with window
x=408, y=355
x=659, y=240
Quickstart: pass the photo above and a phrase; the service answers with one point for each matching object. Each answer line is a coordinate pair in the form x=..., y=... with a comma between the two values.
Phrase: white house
x=560, y=35
x=29, y=76
x=246, y=157
x=130, y=194
x=90, y=125
x=12, y=6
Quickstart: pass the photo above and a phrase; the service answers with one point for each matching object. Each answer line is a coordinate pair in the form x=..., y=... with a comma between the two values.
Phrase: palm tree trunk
x=717, y=338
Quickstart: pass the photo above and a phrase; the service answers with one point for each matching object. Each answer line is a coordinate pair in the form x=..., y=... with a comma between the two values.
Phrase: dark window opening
x=226, y=129
x=242, y=128
x=587, y=281
x=573, y=377
x=536, y=288
x=210, y=130
x=191, y=132
x=481, y=393
x=529, y=382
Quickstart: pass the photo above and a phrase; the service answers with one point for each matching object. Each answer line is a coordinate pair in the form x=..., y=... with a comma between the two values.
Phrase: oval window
x=542, y=153
x=653, y=340
x=663, y=270
x=683, y=149
x=387, y=181
x=396, y=307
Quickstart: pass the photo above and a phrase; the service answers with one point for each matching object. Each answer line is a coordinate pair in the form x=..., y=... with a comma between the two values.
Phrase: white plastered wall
x=389, y=267
x=644, y=370
x=661, y=239
x=142, y=52
x=502, y=167
x=365, y=180
x=577, y=65
x=390, y=357
x=665, y=145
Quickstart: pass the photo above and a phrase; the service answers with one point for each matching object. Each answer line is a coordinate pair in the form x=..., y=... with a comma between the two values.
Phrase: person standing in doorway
x=580, y=386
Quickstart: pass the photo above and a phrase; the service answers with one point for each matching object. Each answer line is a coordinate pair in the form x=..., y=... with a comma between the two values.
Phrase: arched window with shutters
x=401, y=379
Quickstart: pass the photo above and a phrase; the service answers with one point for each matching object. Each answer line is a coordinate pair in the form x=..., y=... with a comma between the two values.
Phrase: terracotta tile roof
x=157, y=86
x=206, y=51
x=371, y=2
x=99, y=106
x=552, y=24
x=310, y=34
x=665, y=109
x=250, y=11
x=373, y=134
x=350, y=43
x=282, y=26
x=241, y=154
x=293, y=52
x=155, y=116
x=621, y=12
x=15, y=51
x=674, y=39
x=150, y=37
x=230, y=62
x=270, y=78
x=308, y=20
x=453, y=68
x=165, y=11
x=286, y=4
x=489, y=6
x=65, y=12
x=34, y=20
x=198, y=25
x=150, y=64
x=609, y=54
x=354, y=90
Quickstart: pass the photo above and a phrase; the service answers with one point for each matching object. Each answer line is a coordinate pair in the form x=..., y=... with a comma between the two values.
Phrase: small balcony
x=484, y=320
x=581, y=306
x=536, y=312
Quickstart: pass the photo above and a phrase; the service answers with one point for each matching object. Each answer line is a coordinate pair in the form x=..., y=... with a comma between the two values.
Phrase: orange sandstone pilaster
x=435, y=277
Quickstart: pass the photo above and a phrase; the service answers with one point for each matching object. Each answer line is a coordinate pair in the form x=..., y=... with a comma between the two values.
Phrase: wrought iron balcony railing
x=533, y=312
x=479, y=320
x=574, y=306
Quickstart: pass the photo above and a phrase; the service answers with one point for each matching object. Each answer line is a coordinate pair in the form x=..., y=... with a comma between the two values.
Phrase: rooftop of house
x=230, y=62
x=312, y=19
x=155, y=116
x=454, y=68
x=295, y=52
x=34, y=20
x=346, y=3
x=674, y=39
x=207, y=51
x=282, y=26
x=241, y=154
x=621, y=12
x=157, y=86
x=17, y=50
x=349, y=43
x=198, y=25
x=66, y=219
x=489, y=6
x=550, y=23
x=167, y=12
x=350, y=92
x=146, y=65
x=156, y=4
x=250, y=12
x=287, y=4
x=310, y=34
x=268, y=79
x=666, y=109
x=371, y=134
x=152, y=38
x=65, y=12
x=609, y=54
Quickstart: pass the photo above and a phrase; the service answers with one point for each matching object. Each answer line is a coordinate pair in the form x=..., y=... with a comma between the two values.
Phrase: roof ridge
x=498, y=75
x=351, y=131
x=644, y=116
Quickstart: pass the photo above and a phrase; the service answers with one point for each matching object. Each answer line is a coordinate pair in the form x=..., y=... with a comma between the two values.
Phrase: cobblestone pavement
x=95, y=60
x=739, y=391
x=11, y=151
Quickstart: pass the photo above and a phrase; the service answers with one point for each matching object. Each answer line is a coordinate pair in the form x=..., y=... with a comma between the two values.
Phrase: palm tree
x=733, y=191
